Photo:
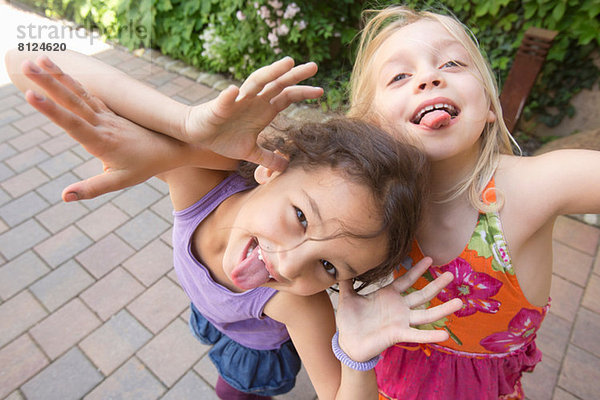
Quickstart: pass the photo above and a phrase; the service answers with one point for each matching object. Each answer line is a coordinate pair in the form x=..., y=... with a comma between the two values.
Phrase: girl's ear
x=263, y=175
x=491, y=117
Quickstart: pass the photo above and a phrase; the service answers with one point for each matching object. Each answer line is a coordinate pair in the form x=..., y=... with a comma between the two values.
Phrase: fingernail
x=34, y=68
x=71, y=196
x=47, y=62
x=38, y=96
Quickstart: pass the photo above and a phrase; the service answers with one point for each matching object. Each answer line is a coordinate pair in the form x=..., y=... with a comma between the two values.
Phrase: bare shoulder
x=187, y=185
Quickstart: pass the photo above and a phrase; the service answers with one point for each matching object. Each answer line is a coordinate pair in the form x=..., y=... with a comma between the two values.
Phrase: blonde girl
x=491, y=214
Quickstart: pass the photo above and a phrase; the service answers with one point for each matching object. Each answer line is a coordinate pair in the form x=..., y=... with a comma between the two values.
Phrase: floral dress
x=492, y=338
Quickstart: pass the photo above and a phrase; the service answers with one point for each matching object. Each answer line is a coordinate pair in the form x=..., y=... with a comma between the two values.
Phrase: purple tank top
x=238, y=315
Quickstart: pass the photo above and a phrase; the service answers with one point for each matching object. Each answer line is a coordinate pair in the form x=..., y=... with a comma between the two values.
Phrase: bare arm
x=271, y=89
x=131, y=153
x=574, y=177
x=124, y=95
x=538, y=189
x=311, y=326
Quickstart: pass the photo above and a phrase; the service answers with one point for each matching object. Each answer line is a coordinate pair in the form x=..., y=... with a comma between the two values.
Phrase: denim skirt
x=261, y=372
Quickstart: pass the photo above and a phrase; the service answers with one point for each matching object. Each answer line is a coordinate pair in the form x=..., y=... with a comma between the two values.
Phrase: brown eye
x=329, y=267
x=301, y=217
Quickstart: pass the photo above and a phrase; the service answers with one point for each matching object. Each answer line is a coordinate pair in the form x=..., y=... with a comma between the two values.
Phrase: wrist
x=346, y=360
x=181, y=123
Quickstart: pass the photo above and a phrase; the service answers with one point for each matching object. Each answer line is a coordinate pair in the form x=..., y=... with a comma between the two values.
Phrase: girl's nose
x=429, y=79
x=431, y=83
x=291, y=263
x=290, y=268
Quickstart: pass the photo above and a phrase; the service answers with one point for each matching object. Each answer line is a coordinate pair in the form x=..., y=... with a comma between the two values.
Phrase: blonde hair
x=380, y=25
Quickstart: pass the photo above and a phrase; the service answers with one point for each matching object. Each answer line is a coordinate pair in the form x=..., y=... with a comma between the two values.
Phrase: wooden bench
x=527, y=65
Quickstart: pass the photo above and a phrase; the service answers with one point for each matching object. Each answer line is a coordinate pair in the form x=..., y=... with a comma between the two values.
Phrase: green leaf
x=205, y=6
x=164, y=5
x=559, y=11
x=482, y=8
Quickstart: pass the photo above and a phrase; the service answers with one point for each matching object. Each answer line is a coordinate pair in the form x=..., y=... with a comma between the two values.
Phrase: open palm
x=370, y=324
x=230, y=124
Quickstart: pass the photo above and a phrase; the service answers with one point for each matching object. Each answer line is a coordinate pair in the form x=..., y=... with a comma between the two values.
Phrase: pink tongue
x=250, y=273
x=436, y=119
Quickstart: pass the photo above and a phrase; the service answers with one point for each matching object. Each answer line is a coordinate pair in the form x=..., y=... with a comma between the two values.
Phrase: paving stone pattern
x=90, y=307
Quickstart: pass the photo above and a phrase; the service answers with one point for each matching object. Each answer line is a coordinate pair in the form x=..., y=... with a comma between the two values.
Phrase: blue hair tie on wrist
x=346, y=360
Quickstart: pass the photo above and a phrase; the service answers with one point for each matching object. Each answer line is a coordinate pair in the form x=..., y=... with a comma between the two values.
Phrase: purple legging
x=227, y=392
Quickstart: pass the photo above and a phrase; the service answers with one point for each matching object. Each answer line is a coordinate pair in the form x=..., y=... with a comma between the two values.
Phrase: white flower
x=240, y=15
x=273, y=39
x=276, y=50
x=276, y=4
x=264, y=12
x=283, y=30
x=291, y=10
x=301, y=25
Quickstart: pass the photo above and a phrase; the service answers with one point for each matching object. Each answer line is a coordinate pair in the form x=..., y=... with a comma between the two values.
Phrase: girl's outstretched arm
x=270, y=89
x=538, y=189
x=571, y=180
x=131, y=153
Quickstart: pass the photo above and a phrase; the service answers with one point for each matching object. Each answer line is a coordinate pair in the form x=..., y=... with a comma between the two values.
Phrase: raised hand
x=370, y=324
x=230, y=124
x=130, y=154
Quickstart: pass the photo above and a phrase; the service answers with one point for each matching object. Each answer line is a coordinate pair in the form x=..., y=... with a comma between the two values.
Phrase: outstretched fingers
x=77, y=127
x=414, y=335
x=58, y=92
x=420, y=317
x=289, y=79
x=257, y=81
x=407, y=280
x=420, y=297
x=295, y=94
x=74, y=86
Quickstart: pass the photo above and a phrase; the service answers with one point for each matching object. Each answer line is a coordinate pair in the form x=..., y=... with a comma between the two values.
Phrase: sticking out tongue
x=435, y=119
x=250, y=273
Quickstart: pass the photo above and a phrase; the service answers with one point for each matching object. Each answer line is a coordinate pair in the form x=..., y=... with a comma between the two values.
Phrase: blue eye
x=329, y=267
x=453, y=63
x=399, y=77
x=301, y=217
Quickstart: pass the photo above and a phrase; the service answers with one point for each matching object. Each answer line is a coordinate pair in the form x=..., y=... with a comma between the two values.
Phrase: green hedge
x=238, y=36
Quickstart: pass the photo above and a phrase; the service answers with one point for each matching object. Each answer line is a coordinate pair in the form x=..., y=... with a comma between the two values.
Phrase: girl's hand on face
x=230, y=124
x=130, y=154
x=370, y=324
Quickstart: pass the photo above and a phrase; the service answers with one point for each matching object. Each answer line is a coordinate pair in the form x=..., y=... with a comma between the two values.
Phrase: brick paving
x=90, y=307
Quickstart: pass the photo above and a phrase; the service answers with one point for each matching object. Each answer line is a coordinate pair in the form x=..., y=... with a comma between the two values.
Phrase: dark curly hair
x=395, y=172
